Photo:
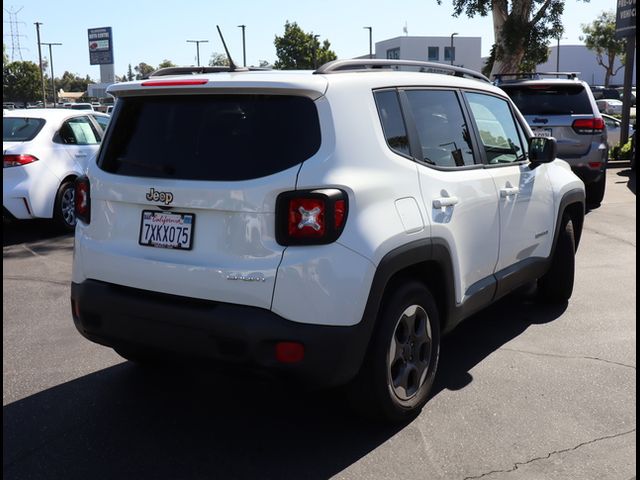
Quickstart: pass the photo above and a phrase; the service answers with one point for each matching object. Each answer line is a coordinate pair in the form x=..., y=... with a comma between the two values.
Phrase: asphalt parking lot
x=524, y=391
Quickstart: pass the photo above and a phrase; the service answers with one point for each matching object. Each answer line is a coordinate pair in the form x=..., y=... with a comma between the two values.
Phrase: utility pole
x=244, y=50
x=370, y=41
x=44, y=95
x=53, y=81
x=198, y=42
x=451, y=53
x=315, y=54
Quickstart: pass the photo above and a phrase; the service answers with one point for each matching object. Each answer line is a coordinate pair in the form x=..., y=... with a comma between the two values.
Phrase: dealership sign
x=626, y=18
x=100, y=46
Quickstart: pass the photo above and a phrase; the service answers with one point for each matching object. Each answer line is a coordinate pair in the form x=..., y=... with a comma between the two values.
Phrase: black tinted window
x=444, y=135
x=550, y=99
x=392, y=121
x=20, y=129
x=212, y=137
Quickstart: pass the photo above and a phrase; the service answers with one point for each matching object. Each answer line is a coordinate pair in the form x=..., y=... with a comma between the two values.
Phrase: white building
x=466, y=50
x=578, y=58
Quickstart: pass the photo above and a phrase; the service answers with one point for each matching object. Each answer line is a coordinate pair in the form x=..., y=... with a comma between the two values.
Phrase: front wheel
x=398, y=373
x=556, y=286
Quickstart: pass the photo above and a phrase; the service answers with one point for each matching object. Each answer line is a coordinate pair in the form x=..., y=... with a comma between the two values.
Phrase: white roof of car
x=314, y=85
x=49, y=113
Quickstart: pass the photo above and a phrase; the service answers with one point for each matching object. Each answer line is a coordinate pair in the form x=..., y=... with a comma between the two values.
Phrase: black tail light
x=310, y=217
x=83, y=199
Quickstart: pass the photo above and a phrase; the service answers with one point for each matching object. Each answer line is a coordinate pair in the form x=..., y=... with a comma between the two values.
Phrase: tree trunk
x=508, y=59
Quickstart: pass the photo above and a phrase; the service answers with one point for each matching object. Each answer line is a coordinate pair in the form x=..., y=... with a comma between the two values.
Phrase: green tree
x=522, y=29
x=21, y=82
x=218, y=60
x=600, y=36
x=166, y=64
x=70, y=82
x=142, y=70
x=5, y=57
x=298, y=50
x=130, y=75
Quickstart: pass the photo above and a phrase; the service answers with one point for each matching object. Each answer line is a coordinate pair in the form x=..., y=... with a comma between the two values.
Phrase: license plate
x=542, y=132
x=166, y=230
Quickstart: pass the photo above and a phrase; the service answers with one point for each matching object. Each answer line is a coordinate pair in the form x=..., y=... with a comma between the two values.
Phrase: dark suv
x=566, y=110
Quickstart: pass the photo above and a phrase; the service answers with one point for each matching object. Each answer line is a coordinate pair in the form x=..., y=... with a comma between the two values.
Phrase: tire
x=64, y=213
x=398, y=372
x=595, y=191
x=556, y=286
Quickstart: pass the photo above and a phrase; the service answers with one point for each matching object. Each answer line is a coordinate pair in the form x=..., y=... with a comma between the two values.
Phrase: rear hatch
x=559, y=110
x=183, y=194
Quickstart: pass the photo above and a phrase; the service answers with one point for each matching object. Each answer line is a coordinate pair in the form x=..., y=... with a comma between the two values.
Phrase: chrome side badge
x=248, y=277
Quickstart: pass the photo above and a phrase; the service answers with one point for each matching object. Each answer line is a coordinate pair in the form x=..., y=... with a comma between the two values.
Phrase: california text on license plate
x=542, y=132
x=166, y=230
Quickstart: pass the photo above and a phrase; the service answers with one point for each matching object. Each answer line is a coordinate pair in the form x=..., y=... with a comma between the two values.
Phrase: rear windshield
x=20, y=129
x=550, y=99
x=210, y=137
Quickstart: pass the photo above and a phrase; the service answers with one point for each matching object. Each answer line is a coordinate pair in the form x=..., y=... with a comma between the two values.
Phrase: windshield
x=20, y=129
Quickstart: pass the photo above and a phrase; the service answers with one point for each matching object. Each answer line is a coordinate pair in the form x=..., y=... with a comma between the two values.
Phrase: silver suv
x=566, y=110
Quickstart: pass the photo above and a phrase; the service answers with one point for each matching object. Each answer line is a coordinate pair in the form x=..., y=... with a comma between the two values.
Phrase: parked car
x=633, y=95
x=109, y=109
x=614, y=126
x=81, y=106
x=328, y=227
x=566, y=110
x=609, y=106
x=44, y=150
x=600, y=92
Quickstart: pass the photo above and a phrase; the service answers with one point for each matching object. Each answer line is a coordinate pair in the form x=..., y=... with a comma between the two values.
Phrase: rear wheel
x=142, y=356
x=64, y=213
x=556, y=286
x=595, y=191
x=398, y=373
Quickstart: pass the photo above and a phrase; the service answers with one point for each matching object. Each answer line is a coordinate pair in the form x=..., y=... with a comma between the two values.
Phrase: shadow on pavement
x=128, y=422
x=24, y=231
x=631, y=175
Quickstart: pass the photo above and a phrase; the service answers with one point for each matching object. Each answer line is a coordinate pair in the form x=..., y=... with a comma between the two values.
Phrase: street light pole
x=44, y=95
x=198, y=42
x=451, y=53
x=370, y=42
x=244, y=51
x=558, y=55
x=53, y=82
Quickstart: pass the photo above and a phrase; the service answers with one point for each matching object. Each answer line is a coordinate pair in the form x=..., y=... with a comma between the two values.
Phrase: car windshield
x=550, y=99
x=20, y=129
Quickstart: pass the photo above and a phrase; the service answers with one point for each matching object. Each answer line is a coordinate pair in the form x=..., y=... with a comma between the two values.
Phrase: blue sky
x=151, y=31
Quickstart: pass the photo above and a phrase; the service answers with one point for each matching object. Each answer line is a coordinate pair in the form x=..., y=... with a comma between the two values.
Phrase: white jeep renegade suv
x=326, y=226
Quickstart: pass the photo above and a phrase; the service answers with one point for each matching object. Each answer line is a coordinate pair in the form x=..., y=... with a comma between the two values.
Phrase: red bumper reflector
x=289, y=352
x=595, y=164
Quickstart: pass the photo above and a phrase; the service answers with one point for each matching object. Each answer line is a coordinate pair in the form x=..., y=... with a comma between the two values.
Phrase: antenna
x=231, y=64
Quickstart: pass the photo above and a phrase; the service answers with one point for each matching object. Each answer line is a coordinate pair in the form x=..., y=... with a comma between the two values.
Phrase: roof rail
x=362, y=65
x=499, y=77
x=193, y=70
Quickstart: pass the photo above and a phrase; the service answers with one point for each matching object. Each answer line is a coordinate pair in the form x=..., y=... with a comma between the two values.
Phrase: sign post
x=626, y=28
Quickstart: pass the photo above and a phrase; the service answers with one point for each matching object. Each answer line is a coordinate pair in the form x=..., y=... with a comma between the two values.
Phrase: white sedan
x=610, y=106
x=614, y=127
x=44, y=150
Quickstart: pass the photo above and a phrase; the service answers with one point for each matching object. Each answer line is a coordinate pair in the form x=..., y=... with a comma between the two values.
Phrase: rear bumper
x=587, y=174
x=114, y=315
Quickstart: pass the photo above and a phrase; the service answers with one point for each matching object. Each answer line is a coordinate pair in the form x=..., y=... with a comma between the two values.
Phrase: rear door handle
x=445, y=202
x=509, y=191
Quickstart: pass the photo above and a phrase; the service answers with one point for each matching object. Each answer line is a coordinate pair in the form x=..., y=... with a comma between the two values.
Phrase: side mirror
x=542, y=149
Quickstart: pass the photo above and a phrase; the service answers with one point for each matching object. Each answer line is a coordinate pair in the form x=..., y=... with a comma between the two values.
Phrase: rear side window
x=20, y=129
x=210, y=137
x=395, y=131
x=442, y=130
x=79, y=131
x=544, y=99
